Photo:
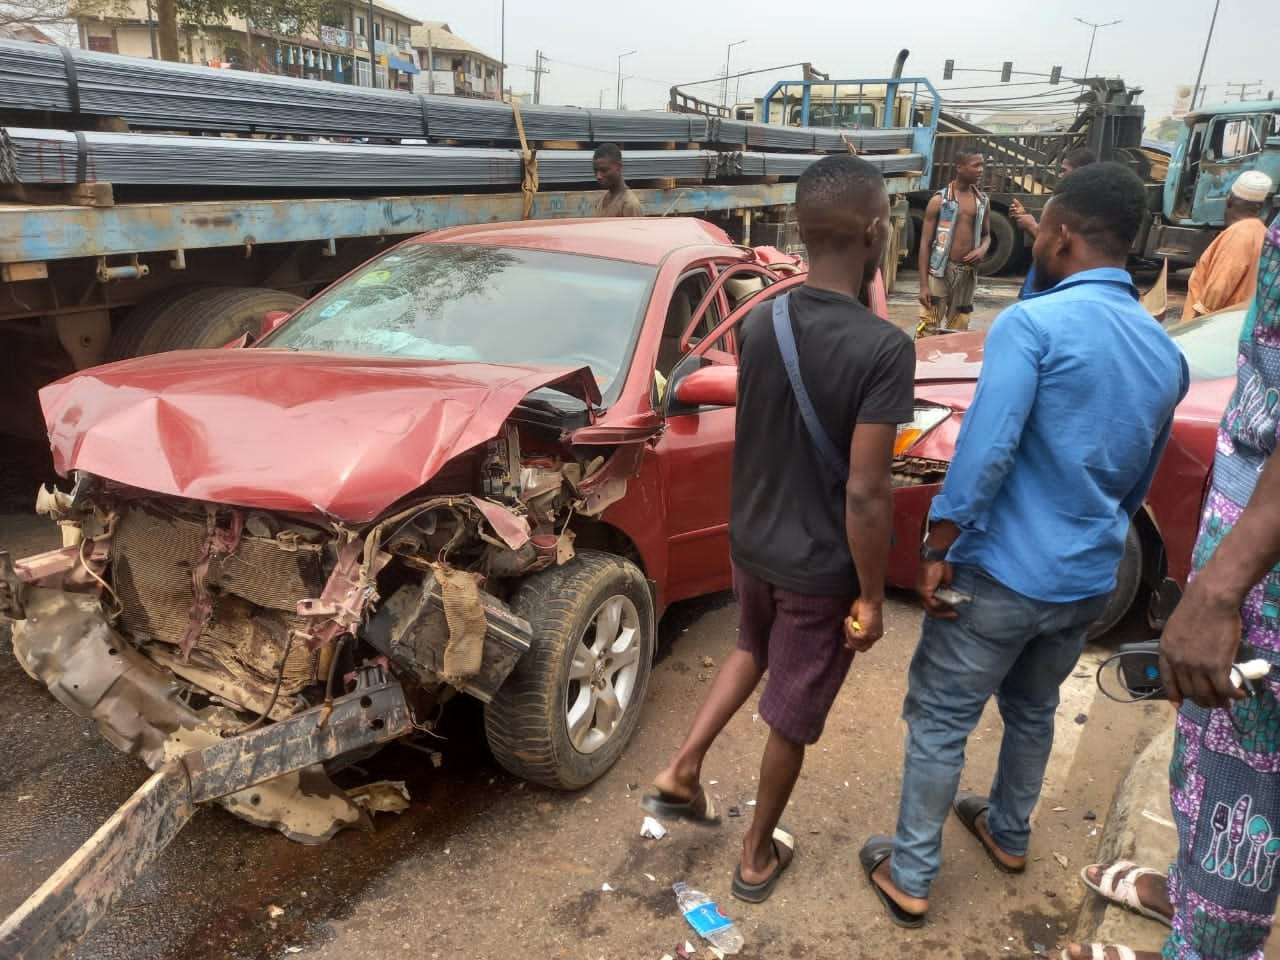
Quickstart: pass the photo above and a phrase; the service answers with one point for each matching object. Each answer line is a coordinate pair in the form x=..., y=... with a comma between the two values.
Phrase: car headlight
x=926, y=417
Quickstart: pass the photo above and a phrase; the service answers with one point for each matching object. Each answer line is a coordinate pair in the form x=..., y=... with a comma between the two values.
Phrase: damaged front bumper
x=61, y=912
x=65, y=643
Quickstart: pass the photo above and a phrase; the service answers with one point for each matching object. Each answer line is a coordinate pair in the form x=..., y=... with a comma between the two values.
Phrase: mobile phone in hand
x=950, y=597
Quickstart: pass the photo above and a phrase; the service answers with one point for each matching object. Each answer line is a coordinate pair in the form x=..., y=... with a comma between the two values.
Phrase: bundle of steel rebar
x=156, y=95
x=790, y=165
x=740, y=133
x=34, y=156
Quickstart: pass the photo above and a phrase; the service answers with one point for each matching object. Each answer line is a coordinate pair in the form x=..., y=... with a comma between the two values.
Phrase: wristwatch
x=931, y=554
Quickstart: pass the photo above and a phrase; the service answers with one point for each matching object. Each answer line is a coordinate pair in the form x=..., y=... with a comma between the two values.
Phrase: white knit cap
x=1252, y=185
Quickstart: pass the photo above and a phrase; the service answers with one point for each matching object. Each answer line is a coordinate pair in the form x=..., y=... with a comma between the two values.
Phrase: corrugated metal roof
x=442, y=38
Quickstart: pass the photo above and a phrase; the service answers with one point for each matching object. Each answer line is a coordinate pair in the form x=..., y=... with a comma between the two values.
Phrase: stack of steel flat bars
x=64, y=157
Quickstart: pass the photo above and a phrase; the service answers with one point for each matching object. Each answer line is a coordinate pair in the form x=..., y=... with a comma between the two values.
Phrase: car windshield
x=458, y=302
x=1211, y=344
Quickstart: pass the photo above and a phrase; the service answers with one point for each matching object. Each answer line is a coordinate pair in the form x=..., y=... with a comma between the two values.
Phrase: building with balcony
x=338, y=52
x=450, y=65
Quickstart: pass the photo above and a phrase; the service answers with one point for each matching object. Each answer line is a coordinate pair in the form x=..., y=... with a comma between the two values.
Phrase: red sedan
x=1162, y=534
x=488, y=460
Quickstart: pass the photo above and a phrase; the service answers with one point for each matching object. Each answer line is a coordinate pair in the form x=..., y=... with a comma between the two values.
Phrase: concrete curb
x=1140, y=828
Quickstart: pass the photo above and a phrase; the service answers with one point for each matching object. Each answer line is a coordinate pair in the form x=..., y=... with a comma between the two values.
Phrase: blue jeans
x=1003, y=644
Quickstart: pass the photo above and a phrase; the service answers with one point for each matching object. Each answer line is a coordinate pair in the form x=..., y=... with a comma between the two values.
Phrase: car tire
x=1004, y=246
x=1128, y=579
x=550, y=722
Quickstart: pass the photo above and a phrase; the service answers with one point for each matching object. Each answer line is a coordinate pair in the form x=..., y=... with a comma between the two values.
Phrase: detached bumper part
x=67, y=644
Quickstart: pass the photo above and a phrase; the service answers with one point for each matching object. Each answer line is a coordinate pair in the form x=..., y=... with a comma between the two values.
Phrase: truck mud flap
x=59, y=914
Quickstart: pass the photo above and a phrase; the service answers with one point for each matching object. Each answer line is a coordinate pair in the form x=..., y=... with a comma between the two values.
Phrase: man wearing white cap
x=1228, y=270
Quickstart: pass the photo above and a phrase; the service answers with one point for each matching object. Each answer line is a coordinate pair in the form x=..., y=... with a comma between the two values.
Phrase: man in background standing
x=618, y=200
x=1227, y=271
x=955, y=237
x=1027, y=223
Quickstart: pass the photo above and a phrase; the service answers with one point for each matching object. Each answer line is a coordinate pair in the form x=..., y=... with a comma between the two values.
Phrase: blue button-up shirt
x=1072, y=411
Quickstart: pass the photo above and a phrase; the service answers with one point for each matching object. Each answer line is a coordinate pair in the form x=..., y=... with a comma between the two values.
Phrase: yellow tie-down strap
x=529, y=184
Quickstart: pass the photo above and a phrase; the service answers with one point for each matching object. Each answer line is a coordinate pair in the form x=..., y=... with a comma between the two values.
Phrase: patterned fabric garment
x=1224, y=780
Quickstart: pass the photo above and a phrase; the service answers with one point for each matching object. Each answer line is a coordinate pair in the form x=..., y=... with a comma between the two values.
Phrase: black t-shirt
x=786, y=520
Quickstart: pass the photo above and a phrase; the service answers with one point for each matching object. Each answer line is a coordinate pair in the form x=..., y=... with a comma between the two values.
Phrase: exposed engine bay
x=174, y=622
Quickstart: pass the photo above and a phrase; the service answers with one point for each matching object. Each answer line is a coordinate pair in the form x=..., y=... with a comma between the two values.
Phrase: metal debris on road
x=381, y=796
x=651, y=829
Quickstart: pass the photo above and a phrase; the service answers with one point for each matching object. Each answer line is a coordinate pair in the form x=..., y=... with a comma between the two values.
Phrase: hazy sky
x=1156, y=46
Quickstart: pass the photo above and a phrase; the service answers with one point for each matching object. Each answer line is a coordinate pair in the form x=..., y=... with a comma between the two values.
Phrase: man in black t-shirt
x=811, y=507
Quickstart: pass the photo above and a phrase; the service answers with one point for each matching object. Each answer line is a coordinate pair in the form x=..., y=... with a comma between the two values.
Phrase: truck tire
x=889, y=265
x=1128, y=579
x=913, y=235
x=214, y=317
x=566, y=712
x=1004, y=246
x=126, y=339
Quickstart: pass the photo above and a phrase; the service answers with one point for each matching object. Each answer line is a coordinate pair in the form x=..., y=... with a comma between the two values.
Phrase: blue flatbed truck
x=86, y=282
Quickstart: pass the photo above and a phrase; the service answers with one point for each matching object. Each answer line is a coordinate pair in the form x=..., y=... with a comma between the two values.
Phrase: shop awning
x=404, y=66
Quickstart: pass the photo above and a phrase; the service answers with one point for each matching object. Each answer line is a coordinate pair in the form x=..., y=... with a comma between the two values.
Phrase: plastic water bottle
x=707, y=920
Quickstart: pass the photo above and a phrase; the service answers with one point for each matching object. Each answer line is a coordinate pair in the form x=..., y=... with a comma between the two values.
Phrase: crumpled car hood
x=285, y=430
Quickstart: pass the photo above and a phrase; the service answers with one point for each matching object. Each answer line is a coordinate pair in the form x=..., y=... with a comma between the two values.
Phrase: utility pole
x=618, y=99
x=537, y=72
x=431, y=66
x=151, y=29
x=724, y=87
x=373, y=60
x=502, y=52
x=1095, y=27
x=1205, y=56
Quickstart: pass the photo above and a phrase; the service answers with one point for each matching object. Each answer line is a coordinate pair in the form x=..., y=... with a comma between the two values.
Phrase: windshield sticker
x=333, y=309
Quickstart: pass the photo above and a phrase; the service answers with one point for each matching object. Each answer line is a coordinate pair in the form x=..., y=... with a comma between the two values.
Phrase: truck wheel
x=889, y=265
x=916, y=228
x=214, y=317
x=126, y=339
x=1128, y=579
x=1004, y=244
x=565, y=713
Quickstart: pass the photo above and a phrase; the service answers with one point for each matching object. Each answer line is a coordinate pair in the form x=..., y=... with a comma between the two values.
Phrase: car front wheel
x=566, y=712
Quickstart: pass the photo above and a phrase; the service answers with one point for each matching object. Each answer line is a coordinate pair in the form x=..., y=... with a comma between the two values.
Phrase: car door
x=696, y=448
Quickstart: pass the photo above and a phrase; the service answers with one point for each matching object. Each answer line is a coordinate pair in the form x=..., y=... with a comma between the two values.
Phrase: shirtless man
x=955, y=238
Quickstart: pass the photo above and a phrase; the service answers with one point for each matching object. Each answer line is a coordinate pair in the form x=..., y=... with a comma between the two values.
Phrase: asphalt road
x=483, y=865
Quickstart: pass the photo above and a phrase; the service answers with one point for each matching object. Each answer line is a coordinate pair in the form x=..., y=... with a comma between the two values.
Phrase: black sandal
x=874, y=852
x=969, y=807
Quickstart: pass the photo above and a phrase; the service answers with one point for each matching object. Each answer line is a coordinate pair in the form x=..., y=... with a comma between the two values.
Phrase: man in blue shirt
x=1070, y=416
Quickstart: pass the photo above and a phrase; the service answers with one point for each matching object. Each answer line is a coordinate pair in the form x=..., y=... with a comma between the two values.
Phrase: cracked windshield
x=473, y=304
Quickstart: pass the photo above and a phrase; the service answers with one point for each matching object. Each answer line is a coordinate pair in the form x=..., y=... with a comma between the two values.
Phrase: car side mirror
x=715, y=385
x=272, y=321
